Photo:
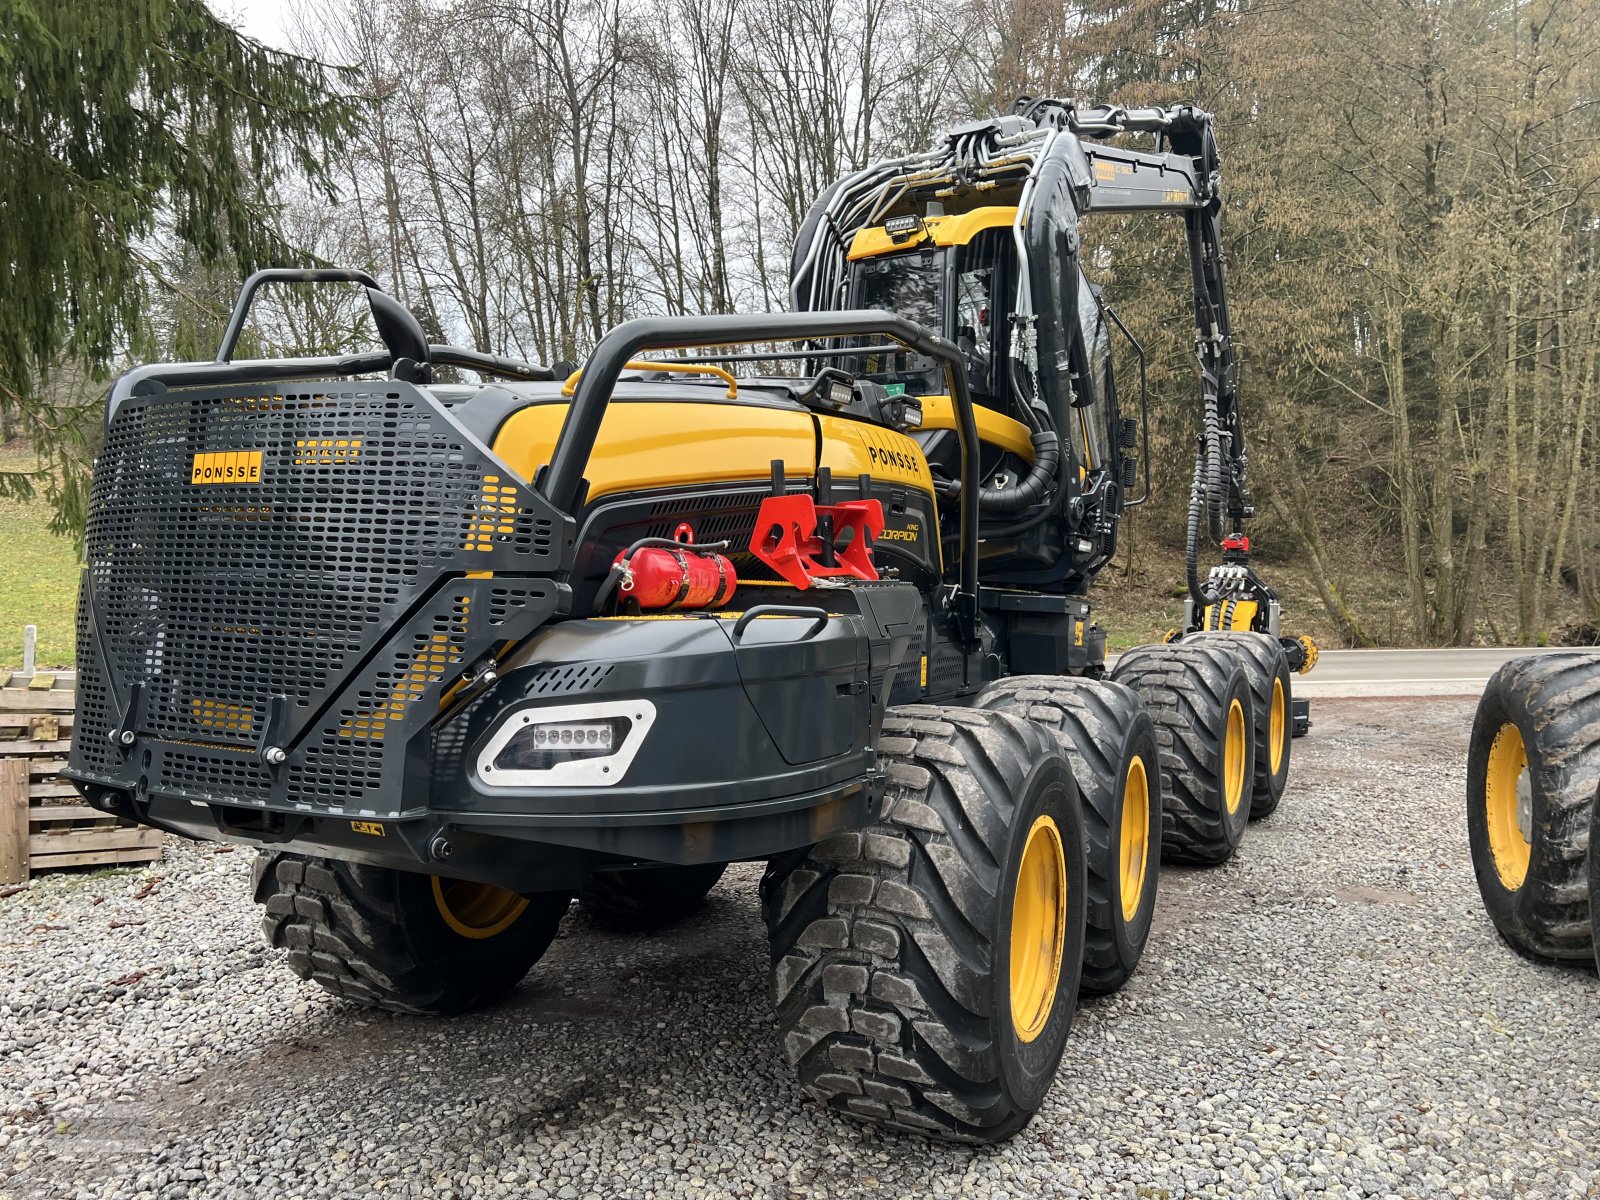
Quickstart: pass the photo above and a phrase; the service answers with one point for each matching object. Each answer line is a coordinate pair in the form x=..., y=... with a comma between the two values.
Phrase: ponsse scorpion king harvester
x=450, y=655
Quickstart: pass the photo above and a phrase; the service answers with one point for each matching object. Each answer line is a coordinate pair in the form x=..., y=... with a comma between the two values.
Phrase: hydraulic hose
x=1191, y=548
x=1023, y=392
x=1041, y=477
x=1213, y=475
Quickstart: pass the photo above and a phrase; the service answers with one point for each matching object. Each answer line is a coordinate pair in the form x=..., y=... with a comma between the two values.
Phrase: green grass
x=38, y=575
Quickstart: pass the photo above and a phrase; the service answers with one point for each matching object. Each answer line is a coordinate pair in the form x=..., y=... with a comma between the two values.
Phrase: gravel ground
x=1330, y=1013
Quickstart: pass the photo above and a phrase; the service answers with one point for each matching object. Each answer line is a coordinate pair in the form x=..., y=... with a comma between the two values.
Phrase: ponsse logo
x=883, y=456
x=889, y=459
x=228, y=466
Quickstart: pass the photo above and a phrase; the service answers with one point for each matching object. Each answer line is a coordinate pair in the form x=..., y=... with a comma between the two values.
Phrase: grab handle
x=819, y=618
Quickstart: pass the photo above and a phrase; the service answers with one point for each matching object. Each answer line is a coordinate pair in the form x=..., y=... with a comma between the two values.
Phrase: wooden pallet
x=44, y=824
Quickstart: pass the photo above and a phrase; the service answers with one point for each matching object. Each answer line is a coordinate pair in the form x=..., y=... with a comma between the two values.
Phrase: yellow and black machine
x=451, y=655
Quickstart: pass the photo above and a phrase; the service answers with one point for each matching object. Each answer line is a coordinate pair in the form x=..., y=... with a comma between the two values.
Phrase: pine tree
x=127, y=125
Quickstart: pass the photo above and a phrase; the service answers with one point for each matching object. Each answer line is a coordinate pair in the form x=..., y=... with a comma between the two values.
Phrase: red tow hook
x=786, y=538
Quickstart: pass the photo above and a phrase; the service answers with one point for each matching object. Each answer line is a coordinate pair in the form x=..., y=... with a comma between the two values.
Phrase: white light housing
x=573, y=745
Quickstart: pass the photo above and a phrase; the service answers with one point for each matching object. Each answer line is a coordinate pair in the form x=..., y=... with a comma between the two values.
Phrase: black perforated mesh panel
x=311, y=545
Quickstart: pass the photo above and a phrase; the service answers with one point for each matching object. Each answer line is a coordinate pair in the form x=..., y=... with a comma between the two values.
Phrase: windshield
x=911, y=285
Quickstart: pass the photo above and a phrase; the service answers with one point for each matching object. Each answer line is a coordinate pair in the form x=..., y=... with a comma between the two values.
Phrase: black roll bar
x=241, y=306
x=561, y=482
x=153, y=377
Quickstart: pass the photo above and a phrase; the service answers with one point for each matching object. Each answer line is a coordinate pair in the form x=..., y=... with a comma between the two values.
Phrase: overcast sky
x=264, y=20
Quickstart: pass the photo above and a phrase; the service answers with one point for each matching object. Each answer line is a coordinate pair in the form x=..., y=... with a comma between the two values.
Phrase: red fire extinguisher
x=668, y=573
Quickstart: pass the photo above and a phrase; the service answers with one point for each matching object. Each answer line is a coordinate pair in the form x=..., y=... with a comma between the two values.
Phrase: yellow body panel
x=995, y=428
x=648, y=444
x=957, y=229
x=851, y=448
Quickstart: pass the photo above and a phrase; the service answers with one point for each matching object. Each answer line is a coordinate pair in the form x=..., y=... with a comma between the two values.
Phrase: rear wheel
x=1267, y=667
x=1199, y=700
x=400, y=940
x=926, y=969
x=647, y=897
x=1533, y=774
x=1110, y=743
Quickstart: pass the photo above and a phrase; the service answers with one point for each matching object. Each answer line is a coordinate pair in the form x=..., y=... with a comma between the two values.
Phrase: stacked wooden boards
x=44, y=824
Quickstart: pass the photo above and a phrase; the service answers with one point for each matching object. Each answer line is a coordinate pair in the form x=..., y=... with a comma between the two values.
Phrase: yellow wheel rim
x=1279, y=725
x=1135, y=836
x=476, y=910
x=1508, y=806
x=1233, y=763
x=1038, y=929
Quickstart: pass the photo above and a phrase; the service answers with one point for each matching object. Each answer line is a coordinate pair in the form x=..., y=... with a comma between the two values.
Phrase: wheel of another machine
x=1594, y=878
x=400, y=940
x=646, y=897
x=926, y=969
x=1533, y=772
x=1198, y=697
x=1111, y=745
x=1267, y=667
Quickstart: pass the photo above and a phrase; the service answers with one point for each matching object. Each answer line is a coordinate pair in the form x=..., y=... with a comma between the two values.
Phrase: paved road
x=1404, y=672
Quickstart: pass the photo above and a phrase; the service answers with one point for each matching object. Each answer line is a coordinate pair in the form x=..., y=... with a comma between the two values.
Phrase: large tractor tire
x=1267, y=667
x=925, y=969
x=648, y=897
x=1594, y=880
x=1533, y=774
x=1198, y=696
x=1110, y=743
x=399, y=940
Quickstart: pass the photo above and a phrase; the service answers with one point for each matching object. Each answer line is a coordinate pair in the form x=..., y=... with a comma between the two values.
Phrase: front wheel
x=926, y=969
x=400, y=940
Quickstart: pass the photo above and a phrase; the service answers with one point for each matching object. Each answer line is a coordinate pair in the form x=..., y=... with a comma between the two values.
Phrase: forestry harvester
x=451, y=655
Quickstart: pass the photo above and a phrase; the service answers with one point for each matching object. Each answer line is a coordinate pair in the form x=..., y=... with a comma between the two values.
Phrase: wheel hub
x=1508, y=806
x=476, y=910
x=1038, y=929
x=1135, y=837
x=1278, y=724
x=1233, y=764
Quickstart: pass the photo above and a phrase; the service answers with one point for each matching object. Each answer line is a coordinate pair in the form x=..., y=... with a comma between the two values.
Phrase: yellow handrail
x=571, y=385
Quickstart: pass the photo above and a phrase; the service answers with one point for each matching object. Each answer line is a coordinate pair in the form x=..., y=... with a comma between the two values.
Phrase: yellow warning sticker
x=375, y=828
x=227, y=466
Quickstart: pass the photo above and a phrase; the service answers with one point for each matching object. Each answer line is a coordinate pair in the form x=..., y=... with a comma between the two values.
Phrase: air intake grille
x=306, y=545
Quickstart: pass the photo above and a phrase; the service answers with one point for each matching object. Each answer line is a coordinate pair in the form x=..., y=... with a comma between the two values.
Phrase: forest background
x=1412, y=215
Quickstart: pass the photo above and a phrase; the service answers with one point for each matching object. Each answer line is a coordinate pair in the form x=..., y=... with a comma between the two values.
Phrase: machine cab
x=1036, y=342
